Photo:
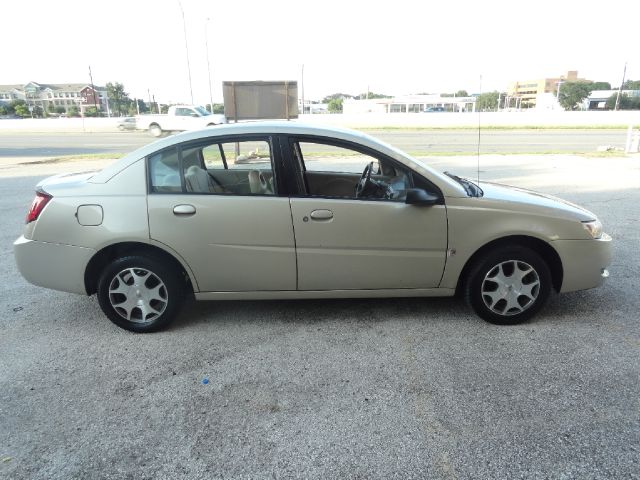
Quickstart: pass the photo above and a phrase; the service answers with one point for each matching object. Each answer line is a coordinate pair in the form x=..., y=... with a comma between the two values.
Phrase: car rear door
x=234, y=235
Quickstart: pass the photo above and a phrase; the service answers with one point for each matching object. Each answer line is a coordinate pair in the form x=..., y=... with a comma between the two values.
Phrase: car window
x=331, y=170
x=231, y=168
x=322, y=157
x=238, y=155
x=164, y=172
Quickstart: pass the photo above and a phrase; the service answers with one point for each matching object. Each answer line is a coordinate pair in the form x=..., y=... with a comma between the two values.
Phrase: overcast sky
x=394, y=47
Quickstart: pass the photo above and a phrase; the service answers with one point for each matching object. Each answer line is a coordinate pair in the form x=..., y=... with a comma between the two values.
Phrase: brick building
x=524, y=93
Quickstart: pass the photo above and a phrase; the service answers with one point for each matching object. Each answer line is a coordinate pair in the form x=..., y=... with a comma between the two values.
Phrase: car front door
x=370, y=241
x=216, y=204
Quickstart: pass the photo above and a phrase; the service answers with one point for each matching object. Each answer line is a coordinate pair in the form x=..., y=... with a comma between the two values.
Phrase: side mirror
x=418, y=196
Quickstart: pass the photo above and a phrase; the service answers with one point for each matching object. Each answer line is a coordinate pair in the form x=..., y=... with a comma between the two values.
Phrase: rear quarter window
x=164, y=172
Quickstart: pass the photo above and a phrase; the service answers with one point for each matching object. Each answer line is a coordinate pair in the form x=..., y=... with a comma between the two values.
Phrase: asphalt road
x=397, y=388
x=415, y=141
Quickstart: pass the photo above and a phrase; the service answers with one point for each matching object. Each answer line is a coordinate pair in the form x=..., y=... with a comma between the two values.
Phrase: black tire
x=156, y=288
x=155, y=130
x=508, y=285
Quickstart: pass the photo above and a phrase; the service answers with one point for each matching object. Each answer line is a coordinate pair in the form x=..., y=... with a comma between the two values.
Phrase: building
x=525, y=93
x=312, y=107
x=64, y=95
x=410, y=104
x=597, y=99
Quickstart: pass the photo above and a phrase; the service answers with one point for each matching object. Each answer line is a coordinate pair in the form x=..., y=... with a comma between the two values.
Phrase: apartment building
x=64, y=95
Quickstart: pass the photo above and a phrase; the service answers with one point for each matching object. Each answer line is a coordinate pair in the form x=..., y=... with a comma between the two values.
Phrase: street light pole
x=206, y=43
x=560, y=82
x=186, y=46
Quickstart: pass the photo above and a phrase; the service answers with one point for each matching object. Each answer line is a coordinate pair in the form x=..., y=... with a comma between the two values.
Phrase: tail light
x=37, y=206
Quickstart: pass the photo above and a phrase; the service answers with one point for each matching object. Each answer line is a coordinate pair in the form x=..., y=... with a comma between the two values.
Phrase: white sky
x=394, y=47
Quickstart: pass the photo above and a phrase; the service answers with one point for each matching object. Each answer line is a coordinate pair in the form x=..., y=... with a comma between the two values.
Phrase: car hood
x=531, y=200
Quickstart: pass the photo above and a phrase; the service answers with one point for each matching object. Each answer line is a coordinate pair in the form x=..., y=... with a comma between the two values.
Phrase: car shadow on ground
x=305, y=312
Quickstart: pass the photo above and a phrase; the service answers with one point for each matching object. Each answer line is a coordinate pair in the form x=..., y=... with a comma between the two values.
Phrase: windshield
x=203, y=112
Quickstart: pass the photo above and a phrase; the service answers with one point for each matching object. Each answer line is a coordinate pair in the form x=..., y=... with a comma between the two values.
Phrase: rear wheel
x=509, y=285
x=155, y=130
x=140, y=293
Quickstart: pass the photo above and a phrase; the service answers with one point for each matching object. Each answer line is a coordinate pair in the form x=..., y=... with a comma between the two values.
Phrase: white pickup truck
x=179, y=118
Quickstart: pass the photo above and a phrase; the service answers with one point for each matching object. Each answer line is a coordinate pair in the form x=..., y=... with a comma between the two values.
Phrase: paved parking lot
x=396, y=388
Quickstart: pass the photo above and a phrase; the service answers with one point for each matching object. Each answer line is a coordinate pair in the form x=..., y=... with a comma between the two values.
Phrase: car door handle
x=321, y=215
x=184, y=210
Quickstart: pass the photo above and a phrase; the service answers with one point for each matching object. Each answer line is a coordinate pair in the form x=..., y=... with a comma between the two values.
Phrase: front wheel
x=508, y=285
x=140, y=293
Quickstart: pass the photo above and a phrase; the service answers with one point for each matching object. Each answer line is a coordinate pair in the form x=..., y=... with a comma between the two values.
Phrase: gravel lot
x=399, y=388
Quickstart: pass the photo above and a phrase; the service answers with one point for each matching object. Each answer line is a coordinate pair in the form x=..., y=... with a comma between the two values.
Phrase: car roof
x=272, y=128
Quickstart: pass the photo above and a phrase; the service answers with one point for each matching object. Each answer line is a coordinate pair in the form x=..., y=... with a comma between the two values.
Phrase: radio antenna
x=479, y=124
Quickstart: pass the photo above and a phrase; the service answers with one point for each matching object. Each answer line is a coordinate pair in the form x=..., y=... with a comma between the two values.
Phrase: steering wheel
x=365, y=180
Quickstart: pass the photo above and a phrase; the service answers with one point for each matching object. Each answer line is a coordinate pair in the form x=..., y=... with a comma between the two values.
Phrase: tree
x=600, y=86
x=119, y=98
x=487, y=101
x=336, y=96
x=459, y=93
x=91, y=112
x=11, y=107
x=335, y=105
x=631, y=85
x=22, y=110
x=626, y=102
x=370, y=95
x=60, y=109
x=73, y=111
x=573, y=93
x=142, y=106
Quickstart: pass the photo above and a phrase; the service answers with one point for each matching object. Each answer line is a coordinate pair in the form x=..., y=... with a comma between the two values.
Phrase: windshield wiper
x=470, y=188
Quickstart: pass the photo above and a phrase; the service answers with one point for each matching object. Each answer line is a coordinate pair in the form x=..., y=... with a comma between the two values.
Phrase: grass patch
x=612, y=154
x=492, y=127
x=76, y=158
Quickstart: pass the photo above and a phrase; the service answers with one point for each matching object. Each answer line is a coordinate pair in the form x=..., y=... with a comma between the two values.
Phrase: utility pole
x=186, y=46
x=95, y=102
x=206, y=43
x=624, y=74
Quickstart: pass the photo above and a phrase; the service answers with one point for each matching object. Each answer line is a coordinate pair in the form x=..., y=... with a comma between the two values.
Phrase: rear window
x=164, y=171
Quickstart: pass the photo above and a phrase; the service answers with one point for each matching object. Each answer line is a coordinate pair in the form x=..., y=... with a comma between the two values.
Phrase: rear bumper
x=52, y=265
x=584, y=262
